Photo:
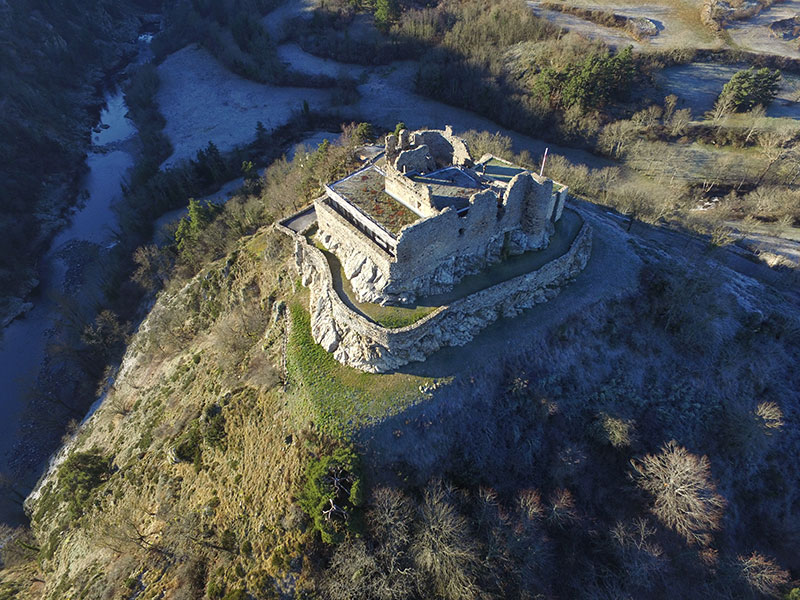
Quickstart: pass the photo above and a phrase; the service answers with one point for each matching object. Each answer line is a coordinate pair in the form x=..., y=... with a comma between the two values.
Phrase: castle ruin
x=411, y=224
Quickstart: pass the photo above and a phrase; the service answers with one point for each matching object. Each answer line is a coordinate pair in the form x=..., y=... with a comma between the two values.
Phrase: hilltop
x=480, y=471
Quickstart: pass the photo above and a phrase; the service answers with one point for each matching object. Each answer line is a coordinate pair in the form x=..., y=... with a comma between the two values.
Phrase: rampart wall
x=356, y=341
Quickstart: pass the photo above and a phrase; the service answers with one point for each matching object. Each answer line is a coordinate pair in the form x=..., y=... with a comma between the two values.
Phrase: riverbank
x=61, y=187
x=39, y=354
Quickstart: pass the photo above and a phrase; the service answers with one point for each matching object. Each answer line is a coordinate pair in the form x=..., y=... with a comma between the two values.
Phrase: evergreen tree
x=748, y=89
x=386, y=13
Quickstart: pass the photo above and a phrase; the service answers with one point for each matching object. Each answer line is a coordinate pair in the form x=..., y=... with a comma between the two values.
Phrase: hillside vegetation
x=637, y=444
x=638, y=449
x=55, y=56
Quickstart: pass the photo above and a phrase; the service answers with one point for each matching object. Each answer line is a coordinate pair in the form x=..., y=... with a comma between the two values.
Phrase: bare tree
x=443, y=549
x=723, y=107
x=755, y=116
x=641, y=557
x=772, y=146
x=607, y=178
x=763, y=575
x=617, y=136
x=670, y=104
x=680, y=121
x=684, y=497
x=770, y=414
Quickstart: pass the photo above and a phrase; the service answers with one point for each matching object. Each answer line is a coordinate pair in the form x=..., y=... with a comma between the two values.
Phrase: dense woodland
x=55, y=58
x=640, y=447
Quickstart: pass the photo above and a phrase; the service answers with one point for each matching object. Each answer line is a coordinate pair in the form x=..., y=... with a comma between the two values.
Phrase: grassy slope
x=343, y=399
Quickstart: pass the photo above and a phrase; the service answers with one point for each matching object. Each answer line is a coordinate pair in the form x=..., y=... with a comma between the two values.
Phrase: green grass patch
x=343, y=399
x=257, y=244
x=391, y=317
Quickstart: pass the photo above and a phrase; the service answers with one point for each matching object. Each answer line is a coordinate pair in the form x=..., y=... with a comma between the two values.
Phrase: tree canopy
x=750, y=88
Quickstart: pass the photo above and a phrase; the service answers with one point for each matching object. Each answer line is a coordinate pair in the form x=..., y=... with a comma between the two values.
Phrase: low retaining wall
x=356, y=341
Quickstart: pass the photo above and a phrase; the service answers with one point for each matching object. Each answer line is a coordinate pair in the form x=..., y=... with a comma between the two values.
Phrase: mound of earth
x=788, y=29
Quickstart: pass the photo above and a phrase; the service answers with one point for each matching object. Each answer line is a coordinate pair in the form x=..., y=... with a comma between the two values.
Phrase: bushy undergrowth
x=617, y=458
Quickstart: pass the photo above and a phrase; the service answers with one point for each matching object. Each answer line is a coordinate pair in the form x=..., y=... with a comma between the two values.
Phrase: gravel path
x=754, y=34
x=224, y=108
x=308, y=64
x=275, y=21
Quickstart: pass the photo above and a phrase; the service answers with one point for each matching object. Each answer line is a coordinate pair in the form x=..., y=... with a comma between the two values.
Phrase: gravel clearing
x=754, y=34
x=203, y=102
x=698, y=85
x=676, y=29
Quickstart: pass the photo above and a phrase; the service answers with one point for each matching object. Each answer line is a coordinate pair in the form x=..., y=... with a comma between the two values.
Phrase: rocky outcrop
x=356, y=341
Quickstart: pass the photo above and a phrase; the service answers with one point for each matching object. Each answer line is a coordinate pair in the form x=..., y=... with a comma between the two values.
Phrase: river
x=68, y=271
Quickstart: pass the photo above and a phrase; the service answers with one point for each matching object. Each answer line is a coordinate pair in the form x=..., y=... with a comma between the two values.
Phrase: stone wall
x=445, y=148
x=456, y=246
x=358, y=342
x=365, y=264
x=413, y=194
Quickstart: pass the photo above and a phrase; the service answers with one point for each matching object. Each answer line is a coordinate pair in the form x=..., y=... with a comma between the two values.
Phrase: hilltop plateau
x=633, y=437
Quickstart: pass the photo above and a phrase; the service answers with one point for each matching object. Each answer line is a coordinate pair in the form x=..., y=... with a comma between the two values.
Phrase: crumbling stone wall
x=455, y=246
x=416, y=195
x=417, y=159
x=445, y=148
x=358, y=342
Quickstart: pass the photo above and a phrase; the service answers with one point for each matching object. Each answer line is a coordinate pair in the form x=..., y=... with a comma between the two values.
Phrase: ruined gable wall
x=417, y=159
x=536, y=215
x=440, y=148
x=514, y=200
x=414, y=194
x=445, y=147
x=561, y=198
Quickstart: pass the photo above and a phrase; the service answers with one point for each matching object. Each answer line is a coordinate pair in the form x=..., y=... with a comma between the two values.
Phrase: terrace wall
x=358, y=342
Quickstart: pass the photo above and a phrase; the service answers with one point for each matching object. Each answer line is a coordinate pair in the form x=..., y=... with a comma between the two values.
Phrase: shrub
x=332, y=494
x=763, y=575
x=444, y=549
x=614, y=430
x=79, y=475
x=748, y=89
